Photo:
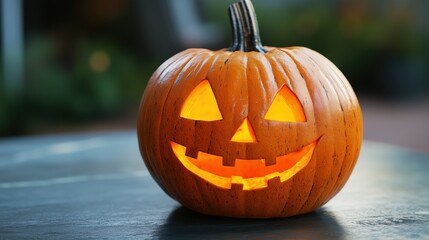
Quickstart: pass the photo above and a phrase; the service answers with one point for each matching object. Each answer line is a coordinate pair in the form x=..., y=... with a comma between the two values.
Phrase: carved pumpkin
x=250, y=131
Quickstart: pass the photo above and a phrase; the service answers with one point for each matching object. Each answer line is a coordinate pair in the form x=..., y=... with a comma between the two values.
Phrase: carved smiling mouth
x=251, y=174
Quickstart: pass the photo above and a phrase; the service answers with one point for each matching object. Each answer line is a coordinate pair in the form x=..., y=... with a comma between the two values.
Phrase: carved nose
x=244, y=133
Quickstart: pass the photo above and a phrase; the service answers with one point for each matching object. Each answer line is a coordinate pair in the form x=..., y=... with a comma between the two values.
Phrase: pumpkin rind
x=245, y=84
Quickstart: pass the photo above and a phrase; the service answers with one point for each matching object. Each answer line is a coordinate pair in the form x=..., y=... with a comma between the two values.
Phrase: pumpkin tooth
x=273, y=179
x=270, y=161
x=237, y=182
x=237, y=186
x=191, y=152
x=228, y=161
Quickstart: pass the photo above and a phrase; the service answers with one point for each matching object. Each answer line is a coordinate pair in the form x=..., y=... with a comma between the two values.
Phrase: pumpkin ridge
x=246, y=63
x=288, y=74
x=179, y=75
x=277, y=66
x=307, y=79
x=202, y=188
x=336, y=79
x=334, y=189
x=340, y=78
x=331, y=87
x=352, y=101
x=215, y=58
x=175, y=60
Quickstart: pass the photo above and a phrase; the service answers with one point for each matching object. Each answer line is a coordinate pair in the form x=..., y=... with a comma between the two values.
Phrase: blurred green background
x=86, y=62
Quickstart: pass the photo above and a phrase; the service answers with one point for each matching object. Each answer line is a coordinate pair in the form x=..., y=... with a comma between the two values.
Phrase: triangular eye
x=286, y=108
x=201, y=104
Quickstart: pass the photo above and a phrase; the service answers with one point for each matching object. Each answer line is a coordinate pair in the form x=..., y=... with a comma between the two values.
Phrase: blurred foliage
x=74, y=89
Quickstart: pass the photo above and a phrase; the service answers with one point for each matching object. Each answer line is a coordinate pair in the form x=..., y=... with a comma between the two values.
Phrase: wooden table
x=95, y=186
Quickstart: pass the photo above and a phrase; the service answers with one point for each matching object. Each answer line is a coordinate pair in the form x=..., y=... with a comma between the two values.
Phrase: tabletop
x=95, y=186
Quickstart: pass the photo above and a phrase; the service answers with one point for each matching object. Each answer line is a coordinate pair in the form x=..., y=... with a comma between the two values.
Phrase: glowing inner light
x=244, y=133
x=201, y=104
x=251, y=173
x=286, y=107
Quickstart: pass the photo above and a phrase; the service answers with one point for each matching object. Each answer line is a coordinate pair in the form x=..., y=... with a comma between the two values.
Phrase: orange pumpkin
x=250, y=131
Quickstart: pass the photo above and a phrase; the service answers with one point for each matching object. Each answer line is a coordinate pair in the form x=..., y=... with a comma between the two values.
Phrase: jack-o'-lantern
x=250, y=131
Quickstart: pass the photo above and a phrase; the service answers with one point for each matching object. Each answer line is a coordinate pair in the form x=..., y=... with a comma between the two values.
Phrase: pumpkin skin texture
x=244, y=86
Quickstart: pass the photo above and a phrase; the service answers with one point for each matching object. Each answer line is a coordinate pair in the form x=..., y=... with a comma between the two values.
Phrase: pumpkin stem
x=245, y=28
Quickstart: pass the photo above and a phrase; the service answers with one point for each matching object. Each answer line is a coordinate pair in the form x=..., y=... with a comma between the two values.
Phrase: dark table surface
x=95, y=186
